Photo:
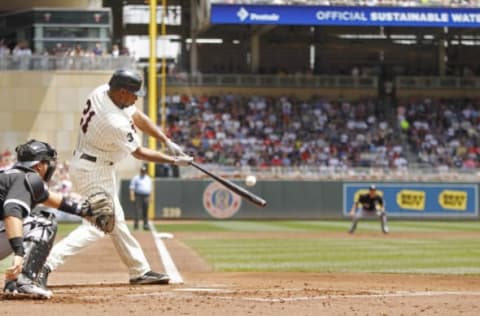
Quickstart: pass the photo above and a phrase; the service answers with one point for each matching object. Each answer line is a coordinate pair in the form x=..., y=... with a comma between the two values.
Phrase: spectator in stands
x=77, y=57
x=22, y=49
x=125, y=51
x=59, y=50
x=6, y=160
x=78, y=51
x=4, y=50
x=97, y=50
x=22, y=54
x=115, y=51
x=61, y=181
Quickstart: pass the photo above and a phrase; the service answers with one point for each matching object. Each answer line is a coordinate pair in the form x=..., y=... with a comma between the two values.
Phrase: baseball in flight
x=250, y=180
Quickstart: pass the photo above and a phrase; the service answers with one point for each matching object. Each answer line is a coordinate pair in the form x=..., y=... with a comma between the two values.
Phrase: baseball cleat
x=13, y=290
x=151, y=278
x=34, y=291
x=10, y=286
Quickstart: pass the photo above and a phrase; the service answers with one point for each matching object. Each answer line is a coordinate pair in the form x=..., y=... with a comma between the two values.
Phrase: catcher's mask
x=34, y=152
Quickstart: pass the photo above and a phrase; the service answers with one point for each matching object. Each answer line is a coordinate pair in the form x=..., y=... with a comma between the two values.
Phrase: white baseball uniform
x=106, y=136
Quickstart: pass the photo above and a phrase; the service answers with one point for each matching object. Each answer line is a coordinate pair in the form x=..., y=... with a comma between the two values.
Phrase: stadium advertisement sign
x=345, y=15
x=407, y=199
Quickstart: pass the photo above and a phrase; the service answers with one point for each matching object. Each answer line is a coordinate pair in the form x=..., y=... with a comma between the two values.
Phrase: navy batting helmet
x=128, y=80
x=33, y=152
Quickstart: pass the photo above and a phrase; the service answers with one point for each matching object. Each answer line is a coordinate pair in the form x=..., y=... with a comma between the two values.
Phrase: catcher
x=30, y=236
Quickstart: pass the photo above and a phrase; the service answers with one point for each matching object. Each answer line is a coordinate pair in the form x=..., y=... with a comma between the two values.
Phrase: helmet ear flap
x=51, y=152
x=52, y=166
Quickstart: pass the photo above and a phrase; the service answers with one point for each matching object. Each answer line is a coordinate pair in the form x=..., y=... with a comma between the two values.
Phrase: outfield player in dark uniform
x=30, y=236
x=369, y=205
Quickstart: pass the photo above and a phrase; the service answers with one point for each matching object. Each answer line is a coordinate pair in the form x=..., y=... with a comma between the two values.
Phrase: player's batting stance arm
x=146, y=154
x=145, y=124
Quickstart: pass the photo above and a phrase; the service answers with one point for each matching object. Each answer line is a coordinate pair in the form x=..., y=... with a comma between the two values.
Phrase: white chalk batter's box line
x=190, y=291
x=168, y=263
x=340, y=296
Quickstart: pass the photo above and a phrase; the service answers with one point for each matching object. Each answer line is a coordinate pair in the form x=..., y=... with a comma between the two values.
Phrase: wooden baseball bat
x=255, y=199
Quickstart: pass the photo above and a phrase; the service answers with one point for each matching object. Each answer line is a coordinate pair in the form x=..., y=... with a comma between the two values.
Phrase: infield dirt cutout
x=95, y=282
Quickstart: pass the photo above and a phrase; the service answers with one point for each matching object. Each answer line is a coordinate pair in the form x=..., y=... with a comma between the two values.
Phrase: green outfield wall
x=204, y=199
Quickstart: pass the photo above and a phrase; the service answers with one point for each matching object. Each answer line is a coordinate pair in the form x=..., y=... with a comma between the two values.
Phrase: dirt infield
x=95, y=283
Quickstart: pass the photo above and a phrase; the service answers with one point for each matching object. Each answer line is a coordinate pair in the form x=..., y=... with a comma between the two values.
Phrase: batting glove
x=174, y=148
x=183, y=160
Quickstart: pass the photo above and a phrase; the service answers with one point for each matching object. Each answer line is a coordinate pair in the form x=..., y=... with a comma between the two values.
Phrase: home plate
x=165, y=235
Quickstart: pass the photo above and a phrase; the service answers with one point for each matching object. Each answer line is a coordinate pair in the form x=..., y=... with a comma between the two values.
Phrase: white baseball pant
x=87, y=178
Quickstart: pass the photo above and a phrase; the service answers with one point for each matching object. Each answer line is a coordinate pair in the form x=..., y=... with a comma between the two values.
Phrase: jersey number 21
x=87, y=115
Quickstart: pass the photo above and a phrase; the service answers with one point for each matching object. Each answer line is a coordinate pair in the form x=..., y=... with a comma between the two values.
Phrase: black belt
x=92, y=158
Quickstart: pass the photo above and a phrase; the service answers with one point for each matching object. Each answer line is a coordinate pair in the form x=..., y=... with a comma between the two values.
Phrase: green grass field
x=454, y=255
x=450, y=254
x=319, y=226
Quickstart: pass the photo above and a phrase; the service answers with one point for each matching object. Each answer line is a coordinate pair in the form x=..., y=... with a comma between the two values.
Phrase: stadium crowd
x=260, y=131
x=286, y=131
x=61, y=56
x=444, y=132
x=22, y=48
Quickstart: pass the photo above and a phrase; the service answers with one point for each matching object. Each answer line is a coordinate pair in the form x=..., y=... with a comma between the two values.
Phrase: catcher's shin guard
x=36, y=256
x=38, y=242
x=42, y=278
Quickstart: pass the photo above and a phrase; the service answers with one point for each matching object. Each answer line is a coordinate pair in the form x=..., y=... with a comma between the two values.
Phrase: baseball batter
x=107, y=135
x=369, y=205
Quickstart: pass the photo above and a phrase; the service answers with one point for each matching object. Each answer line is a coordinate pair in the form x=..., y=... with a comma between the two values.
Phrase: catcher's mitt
x=100, y=211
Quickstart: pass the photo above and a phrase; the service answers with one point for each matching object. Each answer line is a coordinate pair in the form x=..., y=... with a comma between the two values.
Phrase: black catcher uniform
x=30, y=233
x=21, y=189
